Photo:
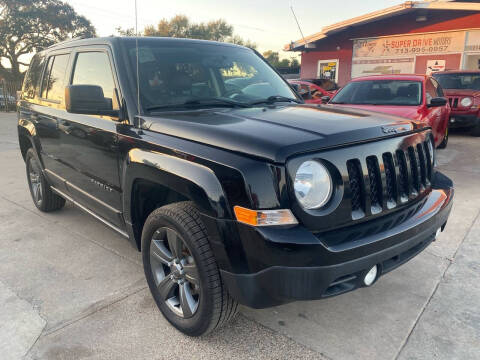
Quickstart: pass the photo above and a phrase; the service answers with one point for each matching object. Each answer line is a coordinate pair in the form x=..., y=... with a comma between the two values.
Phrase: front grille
x=453, y=101
x=372, y=180
x=393, y=178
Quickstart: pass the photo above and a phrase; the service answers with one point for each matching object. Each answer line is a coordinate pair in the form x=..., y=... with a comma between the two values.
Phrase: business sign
x=473, y=41
x=382, y=66
x=435, y=65
x=397, y=54
x=408, y=45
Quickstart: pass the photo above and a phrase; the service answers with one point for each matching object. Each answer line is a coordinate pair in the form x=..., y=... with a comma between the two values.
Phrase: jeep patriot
x=210, y=164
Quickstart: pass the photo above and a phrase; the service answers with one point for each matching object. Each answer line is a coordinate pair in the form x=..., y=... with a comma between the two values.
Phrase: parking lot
x=71, y=288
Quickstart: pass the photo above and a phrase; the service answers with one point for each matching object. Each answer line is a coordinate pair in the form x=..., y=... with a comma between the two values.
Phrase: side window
x=32, y=79
x=93, y=68
x=53, y=87
x=430, y=91
x=46, y=75
x=437, y=87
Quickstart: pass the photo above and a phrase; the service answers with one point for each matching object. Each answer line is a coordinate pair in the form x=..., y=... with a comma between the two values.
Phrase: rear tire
x=179, y=227
x=42, y=195
x=444, y=142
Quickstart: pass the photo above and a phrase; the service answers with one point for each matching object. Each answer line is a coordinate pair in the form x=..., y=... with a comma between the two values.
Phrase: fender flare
x=27, y=130
x=192, y=180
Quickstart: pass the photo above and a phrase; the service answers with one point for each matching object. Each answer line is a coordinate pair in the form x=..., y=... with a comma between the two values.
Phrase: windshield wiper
x=275, y=98
x=201, y=102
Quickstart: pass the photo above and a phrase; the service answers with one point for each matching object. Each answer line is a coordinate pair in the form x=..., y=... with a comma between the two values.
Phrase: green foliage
x=125, y=32
x=27, y=26
x=180, y=26
x=274, y=59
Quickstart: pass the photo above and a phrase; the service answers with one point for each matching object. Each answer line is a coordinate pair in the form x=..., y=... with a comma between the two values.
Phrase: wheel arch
x=26, y=134
x=154, y=179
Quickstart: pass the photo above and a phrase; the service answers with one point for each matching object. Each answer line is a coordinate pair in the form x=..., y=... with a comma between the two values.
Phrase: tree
x=125, y=32
x=180, y=26
x=272, y=57
x=27, y=26
x=286, y=65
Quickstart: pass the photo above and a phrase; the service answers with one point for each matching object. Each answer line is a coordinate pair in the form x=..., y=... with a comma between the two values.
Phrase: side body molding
x=192, y=180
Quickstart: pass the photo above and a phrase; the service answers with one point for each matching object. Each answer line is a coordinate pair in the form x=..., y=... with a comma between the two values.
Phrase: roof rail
x=68, y=40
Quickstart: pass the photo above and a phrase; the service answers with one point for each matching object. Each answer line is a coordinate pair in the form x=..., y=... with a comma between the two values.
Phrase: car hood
x=409, y=112
x=278, y=132
x=462, y=92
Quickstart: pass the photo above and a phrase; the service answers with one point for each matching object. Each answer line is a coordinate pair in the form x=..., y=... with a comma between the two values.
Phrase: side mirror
x=325, y=99
x=88, y=99
x=437, y=101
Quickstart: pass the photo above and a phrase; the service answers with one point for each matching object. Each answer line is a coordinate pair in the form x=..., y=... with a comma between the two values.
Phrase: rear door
x=89, y=142
x=46, y=113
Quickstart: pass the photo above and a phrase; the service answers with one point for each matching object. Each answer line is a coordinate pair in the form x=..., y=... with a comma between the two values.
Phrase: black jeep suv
x=234, y=190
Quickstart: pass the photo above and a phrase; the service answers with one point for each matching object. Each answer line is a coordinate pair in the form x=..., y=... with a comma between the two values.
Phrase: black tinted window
x=54, y=81
x=470, y=81
x=45, y=77
x=93, y=68
x=380, y=92
x=32, y=78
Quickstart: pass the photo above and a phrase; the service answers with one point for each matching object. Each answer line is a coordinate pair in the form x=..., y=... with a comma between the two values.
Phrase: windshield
x=459, y=81
x=185, y=74
x=380, y=92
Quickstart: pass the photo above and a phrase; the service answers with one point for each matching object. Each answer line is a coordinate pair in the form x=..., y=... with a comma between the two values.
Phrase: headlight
x=466, y=102
x=313, y=185
x=431, y=151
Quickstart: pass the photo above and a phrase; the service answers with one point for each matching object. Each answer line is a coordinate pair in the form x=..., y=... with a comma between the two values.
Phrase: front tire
x=181, y=270
x=444, y=142
x=42, y=195
x=476, y=128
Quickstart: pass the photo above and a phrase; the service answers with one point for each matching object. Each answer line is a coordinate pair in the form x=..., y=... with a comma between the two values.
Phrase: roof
x=114, y=39
x=458, y=72
x=406, y=7
x=413, y=77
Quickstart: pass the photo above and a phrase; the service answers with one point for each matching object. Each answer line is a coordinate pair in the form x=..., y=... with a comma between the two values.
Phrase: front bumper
x=294, y=264
x=462, y=119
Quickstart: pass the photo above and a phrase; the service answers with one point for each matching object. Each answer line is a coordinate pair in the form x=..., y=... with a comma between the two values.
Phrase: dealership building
x=413, y=37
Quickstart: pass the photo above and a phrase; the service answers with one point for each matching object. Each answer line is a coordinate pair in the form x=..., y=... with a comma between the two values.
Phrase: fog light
x=437, y=234
x=371, y=276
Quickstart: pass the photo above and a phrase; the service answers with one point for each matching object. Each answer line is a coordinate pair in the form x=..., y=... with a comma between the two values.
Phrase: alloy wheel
x=35, y=178
x=175, y=273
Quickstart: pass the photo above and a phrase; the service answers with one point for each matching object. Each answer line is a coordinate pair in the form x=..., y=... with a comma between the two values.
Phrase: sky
x=270, y=24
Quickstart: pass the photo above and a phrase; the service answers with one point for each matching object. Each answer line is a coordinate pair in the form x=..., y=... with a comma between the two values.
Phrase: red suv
x=463, y=91
x=417, y=97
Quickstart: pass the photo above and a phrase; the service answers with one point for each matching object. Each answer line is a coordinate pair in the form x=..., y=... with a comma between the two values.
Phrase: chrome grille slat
x=403, y=176
x=422, y=164
x=357, y=188
x=414, y=169
x=391, y=180
x=376, y=188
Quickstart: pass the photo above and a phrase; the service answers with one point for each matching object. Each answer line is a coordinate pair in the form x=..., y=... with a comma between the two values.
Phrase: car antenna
x=298, y=24
x=137, y=65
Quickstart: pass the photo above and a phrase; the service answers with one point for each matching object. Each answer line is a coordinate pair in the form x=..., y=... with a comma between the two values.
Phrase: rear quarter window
x=32, y=78
x=53, y=84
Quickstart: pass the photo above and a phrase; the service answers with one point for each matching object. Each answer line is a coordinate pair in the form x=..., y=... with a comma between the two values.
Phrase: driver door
x=89, y=142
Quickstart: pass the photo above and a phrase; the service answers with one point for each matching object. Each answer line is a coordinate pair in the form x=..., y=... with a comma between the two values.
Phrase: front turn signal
x=264, y=217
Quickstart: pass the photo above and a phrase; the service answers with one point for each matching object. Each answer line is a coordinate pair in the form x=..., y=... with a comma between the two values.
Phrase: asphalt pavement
x=71, y=288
